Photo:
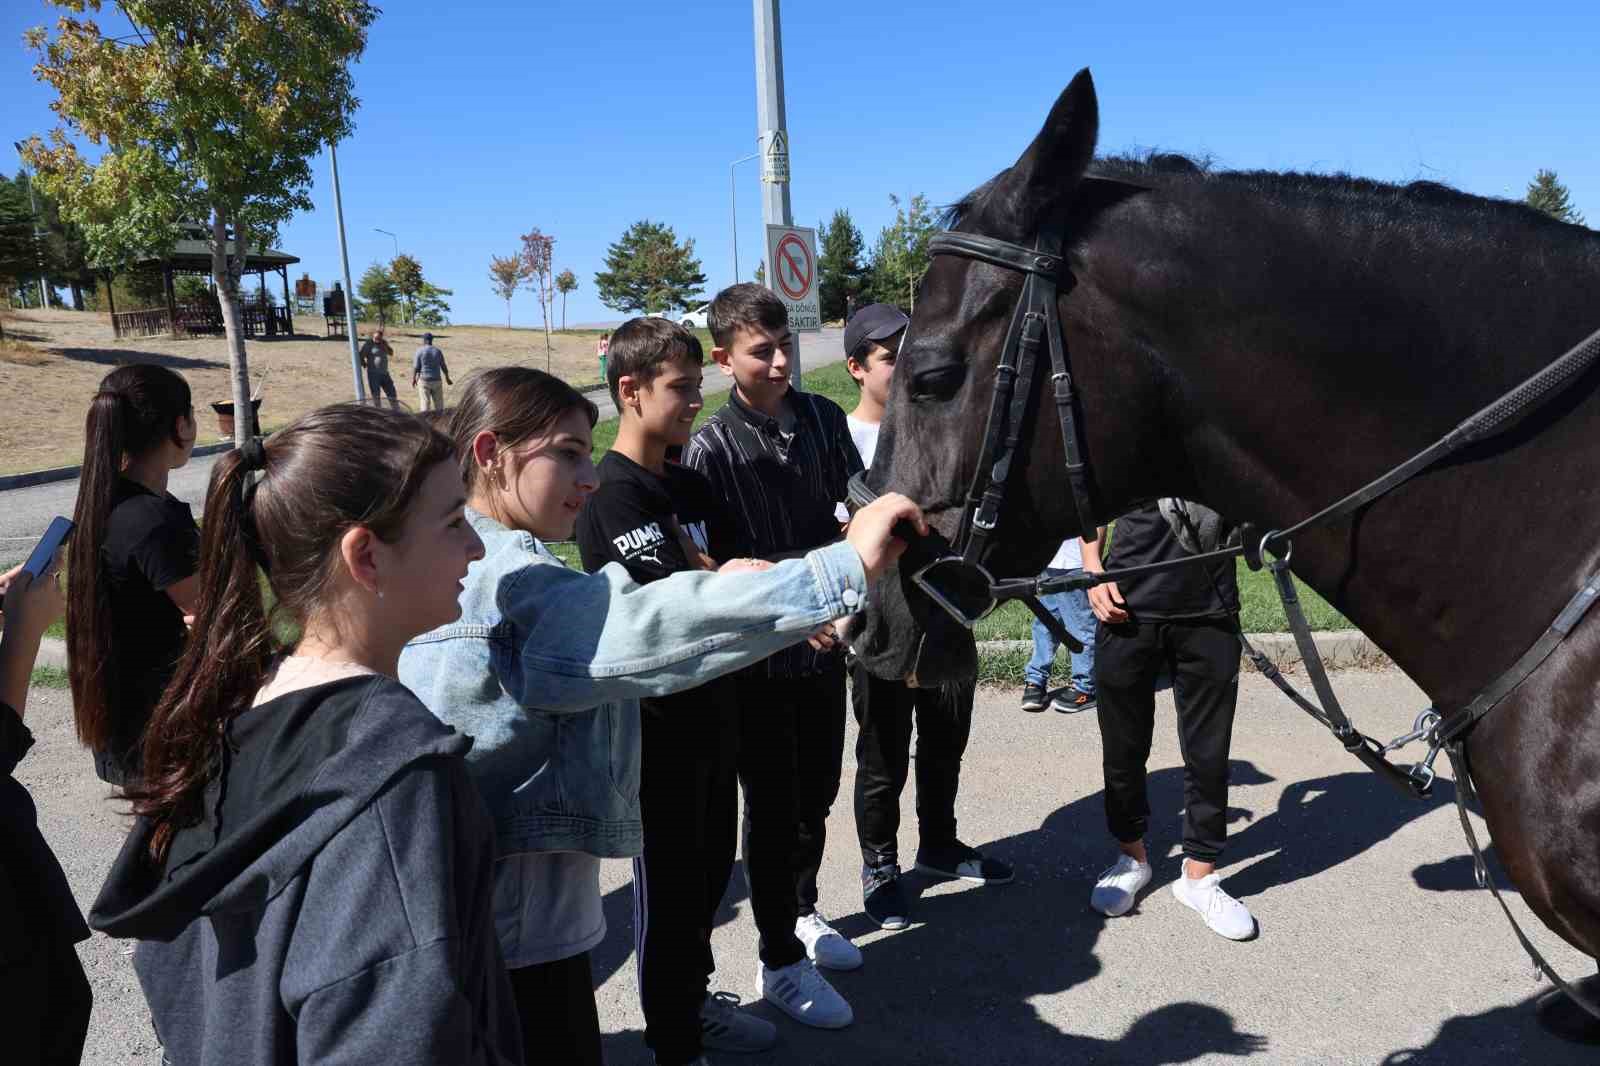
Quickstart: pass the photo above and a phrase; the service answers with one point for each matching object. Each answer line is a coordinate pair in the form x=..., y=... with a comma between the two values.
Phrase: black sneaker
x=1033, y=697
x=882, y=897
x=964, y=863
x=1071, y=700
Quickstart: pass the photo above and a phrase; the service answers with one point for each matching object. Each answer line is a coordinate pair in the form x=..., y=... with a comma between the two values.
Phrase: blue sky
x=482, y=119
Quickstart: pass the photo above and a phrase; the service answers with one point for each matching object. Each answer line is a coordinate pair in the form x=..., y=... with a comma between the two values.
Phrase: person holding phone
x=132, y=562
x=42, y=983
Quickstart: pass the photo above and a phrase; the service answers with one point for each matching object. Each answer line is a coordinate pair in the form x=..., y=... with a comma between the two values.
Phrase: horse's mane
x=1424, y=202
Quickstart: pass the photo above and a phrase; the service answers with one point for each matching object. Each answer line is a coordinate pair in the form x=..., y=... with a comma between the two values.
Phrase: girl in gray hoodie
x=310, y=873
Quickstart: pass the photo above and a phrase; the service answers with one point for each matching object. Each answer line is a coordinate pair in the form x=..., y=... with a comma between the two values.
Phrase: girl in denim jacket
x=546, y=665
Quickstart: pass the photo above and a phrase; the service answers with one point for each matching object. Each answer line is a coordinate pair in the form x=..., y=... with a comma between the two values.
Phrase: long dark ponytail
x=136, y=409
x=275, y=509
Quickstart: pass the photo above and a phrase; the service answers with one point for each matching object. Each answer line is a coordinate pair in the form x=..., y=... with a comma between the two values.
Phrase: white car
x=696, y=319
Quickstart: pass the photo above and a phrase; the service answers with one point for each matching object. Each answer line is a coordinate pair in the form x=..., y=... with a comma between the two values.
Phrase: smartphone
x=49, y=544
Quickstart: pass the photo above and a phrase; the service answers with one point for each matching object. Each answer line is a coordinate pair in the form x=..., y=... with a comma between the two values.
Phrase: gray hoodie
x=333, y=905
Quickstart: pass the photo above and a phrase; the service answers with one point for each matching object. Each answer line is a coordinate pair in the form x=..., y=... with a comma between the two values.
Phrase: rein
x=1037, y=319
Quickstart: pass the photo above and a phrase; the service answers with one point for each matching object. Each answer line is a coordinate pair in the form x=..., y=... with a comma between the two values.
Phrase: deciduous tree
x=205, y=110
x=648, y=270
x=378, y=292
x=408, y=282
x=505, y=278
x=538, y=250
x=1547, y=194
x=566, y=282
x=900, y=256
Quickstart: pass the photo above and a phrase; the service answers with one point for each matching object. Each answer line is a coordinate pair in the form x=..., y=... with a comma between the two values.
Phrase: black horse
x=1265, y=343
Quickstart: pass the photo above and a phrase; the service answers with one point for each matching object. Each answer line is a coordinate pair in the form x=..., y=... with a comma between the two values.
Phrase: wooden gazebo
x=191, y=254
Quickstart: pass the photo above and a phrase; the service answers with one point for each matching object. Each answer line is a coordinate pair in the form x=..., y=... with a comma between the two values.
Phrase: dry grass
x=59, y=357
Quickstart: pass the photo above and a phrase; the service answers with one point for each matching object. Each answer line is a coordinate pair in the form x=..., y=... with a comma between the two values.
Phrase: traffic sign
x=792, y=274
x=774, y=156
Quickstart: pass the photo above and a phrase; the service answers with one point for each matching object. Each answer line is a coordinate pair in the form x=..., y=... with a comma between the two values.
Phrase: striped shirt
x=783, y=479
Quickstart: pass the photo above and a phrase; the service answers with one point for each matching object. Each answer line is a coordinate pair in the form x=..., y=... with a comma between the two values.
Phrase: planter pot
x=224, y=410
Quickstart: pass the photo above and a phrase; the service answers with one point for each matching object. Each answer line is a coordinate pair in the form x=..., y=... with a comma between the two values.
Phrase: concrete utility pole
x=774, y=129
x=349, y=290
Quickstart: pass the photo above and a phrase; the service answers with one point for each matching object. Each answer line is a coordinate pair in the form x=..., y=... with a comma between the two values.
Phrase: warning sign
x=774, y=156
x=792, y=274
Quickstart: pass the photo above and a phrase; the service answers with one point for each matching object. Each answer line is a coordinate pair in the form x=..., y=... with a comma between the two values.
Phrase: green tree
x=840, y=272
x=760, y=276
x=378, y=292
x=432, y=309
x=566, y=282
x=207, y=110
x=1547, y=194
x=18, y=253
x=505, y=278
x=900, y=255
x=408, y=282
x=648, y=270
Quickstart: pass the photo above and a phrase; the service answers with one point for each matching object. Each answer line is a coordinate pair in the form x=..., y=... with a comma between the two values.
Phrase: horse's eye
x=938, y=383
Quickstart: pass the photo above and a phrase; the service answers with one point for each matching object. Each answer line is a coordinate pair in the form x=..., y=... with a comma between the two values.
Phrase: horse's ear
x=1041, y=182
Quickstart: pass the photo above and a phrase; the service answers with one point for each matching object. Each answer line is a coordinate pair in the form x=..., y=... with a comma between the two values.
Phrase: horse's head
x=944, y=383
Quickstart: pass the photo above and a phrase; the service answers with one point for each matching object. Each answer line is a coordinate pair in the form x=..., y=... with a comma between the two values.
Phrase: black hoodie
x=334, y=906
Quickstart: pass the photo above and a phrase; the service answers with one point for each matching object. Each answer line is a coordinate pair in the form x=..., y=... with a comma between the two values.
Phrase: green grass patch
x=49, y=677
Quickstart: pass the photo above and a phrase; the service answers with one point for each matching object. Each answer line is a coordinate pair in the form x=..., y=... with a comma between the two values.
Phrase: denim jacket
x=546, y=665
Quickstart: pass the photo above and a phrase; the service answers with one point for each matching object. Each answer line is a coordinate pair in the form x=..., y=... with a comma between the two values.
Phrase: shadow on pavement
x=1502, y=1035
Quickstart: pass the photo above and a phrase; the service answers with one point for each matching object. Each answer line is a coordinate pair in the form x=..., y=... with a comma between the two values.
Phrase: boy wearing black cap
x=885, y=710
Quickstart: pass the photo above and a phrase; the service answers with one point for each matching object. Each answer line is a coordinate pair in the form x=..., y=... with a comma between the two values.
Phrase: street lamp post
x=392, y=237
x=349, y=290
x=733, y=209
x=38, y=245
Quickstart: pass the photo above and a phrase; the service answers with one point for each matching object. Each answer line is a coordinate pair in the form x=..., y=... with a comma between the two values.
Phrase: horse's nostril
x=938, y=383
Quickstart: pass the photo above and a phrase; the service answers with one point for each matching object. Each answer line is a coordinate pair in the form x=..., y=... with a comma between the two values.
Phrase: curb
x=1338, y=649
x=69, y=473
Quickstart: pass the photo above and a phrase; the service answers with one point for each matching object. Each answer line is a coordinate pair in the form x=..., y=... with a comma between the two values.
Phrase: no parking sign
x=792, y=274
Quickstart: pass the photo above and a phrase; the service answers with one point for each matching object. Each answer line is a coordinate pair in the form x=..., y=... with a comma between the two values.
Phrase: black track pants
x=555, y=1002
x=791, y=747
x=885, y=712
x=689, y=799
x=1202, y=658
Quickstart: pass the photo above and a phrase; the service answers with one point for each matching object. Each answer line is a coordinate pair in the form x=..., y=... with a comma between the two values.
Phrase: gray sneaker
x=723, y=1027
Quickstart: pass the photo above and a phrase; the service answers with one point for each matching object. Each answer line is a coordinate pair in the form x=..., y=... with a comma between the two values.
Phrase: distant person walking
x=600, y=350
x=429, y=375
x=375, y=355
x=131, y=562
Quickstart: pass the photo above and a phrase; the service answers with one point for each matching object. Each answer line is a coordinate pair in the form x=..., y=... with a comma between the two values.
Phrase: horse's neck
x=1457, y=571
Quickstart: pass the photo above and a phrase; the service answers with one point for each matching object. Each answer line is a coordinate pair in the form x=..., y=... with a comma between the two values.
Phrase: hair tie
x=253, y=463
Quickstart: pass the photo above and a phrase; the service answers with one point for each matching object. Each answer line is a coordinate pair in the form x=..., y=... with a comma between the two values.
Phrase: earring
x=380, y=594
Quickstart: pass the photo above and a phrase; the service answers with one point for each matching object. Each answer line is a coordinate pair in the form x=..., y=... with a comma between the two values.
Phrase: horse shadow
x=1501, y=1035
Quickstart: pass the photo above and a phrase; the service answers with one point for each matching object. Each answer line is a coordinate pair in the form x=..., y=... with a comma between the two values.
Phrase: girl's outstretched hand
x=871, y=531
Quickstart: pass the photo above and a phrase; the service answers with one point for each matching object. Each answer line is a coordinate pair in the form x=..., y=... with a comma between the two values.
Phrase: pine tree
x=1547, y=194
x=648, y=270
x=841, y=273
x=900, y=256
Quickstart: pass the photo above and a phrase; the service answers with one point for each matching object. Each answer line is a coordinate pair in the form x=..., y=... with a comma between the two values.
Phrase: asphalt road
x=1374, y=946
x=25, y=513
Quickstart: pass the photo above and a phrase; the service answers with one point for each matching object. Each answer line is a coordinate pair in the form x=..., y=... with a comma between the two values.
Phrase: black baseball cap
x=427, y=336
x=874, y=322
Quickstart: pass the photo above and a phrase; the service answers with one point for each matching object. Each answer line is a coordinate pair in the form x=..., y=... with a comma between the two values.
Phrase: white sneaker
x=1225, y=915
x=1119, y=886
x=723, y=1027
x=804, y=995
x=825, y=945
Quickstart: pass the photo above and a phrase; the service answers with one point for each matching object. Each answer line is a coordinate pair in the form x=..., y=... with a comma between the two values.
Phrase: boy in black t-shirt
x=656, y=518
